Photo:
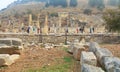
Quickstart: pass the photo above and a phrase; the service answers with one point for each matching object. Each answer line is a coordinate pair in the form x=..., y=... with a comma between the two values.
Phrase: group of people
x=31, y=29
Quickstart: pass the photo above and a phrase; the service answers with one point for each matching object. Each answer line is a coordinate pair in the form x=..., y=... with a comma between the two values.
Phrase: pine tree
x=73, y=3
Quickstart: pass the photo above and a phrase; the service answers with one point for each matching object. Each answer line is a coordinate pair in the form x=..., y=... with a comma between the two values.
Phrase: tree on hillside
x=92, y=3
x=112, y=20
x=87, y=11
x=113, y=2
x=119, y=4
x=73, y=3
x=97, y=3
x=100, y=4
x=56, y=3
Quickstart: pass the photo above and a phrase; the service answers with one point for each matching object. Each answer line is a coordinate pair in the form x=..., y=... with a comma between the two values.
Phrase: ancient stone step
x=88, y=58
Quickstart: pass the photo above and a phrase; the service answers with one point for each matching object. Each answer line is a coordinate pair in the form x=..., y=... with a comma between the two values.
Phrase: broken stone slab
x=77, y=52
x=12, y=42
x=101, y=53
x=88, y=58
x=93, y=46
x=10, y=50
x=14, y=57
x=112, y=64
x=90, y=68
x=75, y=44
x=5, y=60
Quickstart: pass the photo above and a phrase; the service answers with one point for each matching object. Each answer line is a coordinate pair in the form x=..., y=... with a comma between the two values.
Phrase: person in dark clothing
x=93, y=29
x=28, y=30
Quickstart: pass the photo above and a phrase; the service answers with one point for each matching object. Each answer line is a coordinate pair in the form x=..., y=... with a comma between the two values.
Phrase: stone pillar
x=45, y=31
x=30, y=19
x=68, y=3
x=30, y=24
x=59, y=27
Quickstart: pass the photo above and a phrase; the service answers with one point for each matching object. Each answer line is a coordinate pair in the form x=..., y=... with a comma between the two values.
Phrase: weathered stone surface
x=112, y=64
x=90, y=68
x=88, y=58
x=101, y=53
x=77, y=52
x=5, y=59
x=70, y=48
x=93, y=46
x=76, y=45
x=11, y=41
x=14, y=57
x=10, y=50
x=10, y=46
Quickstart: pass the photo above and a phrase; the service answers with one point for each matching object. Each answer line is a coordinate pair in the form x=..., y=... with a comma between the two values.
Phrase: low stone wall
x=60, y=39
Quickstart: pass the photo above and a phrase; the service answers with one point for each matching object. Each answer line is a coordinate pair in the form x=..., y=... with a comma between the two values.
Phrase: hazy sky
x=5, y=3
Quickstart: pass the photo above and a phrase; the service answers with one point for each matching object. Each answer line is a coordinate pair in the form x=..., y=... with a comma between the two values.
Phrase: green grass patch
x=65, y=49
x=67, y=59
x=60, y=67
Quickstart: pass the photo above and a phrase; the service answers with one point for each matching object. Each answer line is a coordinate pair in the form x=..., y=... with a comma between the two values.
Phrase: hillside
x=19, y=10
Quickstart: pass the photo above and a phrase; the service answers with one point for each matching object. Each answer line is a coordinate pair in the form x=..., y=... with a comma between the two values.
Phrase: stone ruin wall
x=60, y=39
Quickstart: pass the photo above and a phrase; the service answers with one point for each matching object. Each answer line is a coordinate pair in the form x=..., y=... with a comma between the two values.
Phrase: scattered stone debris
x=48, y=45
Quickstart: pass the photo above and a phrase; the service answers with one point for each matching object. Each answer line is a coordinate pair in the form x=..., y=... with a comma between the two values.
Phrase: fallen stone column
x=90, y=68
x=112, y=64
x=101, y=53
x=88, y=58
